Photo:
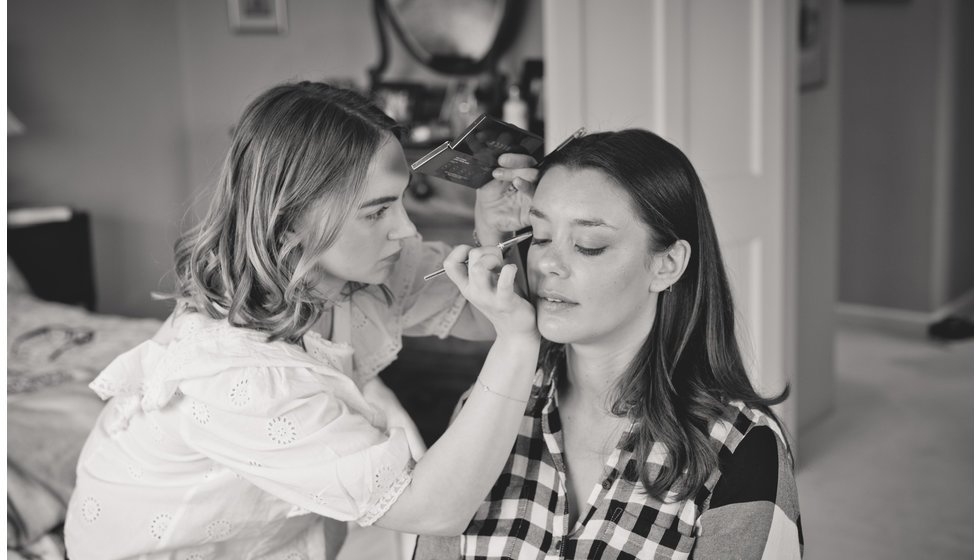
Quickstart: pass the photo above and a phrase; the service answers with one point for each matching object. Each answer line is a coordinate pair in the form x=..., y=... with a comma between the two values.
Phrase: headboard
x=52, y=248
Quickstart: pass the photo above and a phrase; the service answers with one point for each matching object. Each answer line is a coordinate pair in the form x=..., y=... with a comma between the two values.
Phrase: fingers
x=524, y=186
x=483, y=262
x=471, y=268
x=515, y=161
x=455, y=265
x=505, y=283
x=528, y=175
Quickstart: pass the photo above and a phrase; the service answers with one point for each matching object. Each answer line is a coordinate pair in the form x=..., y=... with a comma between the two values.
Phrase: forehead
x=387, y=173
x=582, y=194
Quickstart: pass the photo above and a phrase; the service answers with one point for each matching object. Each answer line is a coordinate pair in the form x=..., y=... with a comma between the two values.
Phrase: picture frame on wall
x=257, y=16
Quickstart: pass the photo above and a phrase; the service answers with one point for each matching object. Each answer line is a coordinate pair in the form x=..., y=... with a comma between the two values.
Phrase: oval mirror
x=456, y=37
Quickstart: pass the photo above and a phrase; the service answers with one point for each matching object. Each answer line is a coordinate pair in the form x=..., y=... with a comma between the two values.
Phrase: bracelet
x=487, y=389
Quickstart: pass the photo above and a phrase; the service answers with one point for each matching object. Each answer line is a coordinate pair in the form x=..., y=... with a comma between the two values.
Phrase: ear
x=669, y=265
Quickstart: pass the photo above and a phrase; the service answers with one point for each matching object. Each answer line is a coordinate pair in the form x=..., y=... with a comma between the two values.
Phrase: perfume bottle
x=515, y=108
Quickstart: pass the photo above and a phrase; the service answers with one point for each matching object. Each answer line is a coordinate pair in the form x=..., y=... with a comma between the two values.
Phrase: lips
x=392, y=258
x=550, y=300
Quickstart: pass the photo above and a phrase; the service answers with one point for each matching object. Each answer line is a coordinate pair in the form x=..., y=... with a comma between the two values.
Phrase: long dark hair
x=689, y=368
x=298, y=148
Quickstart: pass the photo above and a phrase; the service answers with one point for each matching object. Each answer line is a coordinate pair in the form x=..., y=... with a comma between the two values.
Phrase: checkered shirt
x=526, y=516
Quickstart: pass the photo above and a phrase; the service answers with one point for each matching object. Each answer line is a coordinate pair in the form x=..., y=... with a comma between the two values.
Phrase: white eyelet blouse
x=219, y=444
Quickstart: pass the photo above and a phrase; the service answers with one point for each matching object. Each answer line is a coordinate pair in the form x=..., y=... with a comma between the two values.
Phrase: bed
x=54, y=349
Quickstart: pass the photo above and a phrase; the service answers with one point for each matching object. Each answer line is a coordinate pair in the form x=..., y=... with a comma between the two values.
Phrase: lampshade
x=14, y=126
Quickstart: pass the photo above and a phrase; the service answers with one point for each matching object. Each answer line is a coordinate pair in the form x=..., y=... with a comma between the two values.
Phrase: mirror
x=454, y=37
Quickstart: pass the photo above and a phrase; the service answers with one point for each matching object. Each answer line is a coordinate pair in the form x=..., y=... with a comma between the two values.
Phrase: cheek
x=361, y=241
x=611, y=291
x=353, y=250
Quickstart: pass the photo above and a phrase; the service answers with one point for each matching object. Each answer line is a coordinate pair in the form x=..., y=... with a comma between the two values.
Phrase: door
x=718, y=79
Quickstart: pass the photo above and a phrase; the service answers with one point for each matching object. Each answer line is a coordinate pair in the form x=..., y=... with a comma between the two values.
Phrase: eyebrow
x=380, y=200
x=593, y=222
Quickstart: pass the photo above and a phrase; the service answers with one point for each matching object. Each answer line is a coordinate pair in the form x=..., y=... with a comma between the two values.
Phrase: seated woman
x=643, y=436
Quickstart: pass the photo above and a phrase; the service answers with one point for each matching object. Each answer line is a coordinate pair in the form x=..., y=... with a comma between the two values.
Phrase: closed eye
x=379, y=214
x=587, y=251
x=590, y=252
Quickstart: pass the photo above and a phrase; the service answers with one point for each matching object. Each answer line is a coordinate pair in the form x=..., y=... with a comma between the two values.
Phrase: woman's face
x=369, y=243
x=589, y=265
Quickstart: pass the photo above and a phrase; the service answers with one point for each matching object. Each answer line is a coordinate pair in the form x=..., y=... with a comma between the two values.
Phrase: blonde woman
x=240, y=431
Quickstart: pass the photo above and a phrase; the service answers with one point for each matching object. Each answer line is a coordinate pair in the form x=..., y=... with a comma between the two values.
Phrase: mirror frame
x=450, y=65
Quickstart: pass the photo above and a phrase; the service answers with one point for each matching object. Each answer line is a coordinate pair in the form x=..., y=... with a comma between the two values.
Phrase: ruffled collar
x=148, y=376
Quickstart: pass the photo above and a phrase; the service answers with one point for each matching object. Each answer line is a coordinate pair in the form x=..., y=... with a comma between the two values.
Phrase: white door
x=718, y=79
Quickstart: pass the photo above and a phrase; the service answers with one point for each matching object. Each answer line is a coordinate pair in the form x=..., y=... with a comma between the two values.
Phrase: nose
x=548, y=261
x=403, y=226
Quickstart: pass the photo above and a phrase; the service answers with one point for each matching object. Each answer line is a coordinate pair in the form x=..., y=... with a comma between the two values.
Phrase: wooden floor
x=889, y=474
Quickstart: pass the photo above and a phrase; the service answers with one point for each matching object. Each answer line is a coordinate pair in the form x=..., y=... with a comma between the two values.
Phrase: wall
x=129, y=105
x=960, y=224
x=817, y=221
x=897, y=250
x=97, y=86
x=221, y=71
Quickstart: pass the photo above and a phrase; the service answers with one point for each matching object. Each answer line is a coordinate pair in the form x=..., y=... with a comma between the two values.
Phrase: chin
x=381, y=276
x=554, y=332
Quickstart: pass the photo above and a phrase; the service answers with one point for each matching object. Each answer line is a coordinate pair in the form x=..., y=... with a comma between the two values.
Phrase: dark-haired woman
x=643, y=437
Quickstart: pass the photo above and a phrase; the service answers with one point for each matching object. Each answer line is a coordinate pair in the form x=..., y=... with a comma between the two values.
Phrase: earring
x=669, y=288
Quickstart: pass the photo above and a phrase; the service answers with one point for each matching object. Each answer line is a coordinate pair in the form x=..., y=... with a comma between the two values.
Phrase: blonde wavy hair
x=299, y=149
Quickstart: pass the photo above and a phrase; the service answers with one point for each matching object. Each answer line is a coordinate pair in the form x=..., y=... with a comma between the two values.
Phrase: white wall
x=222, y=71
x=817, y=221
x=960, y=224
x=903, y=216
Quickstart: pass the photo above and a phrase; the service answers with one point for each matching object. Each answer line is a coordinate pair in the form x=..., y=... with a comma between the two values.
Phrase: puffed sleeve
x=294, y=435
x=429, y=308
x=753, y=510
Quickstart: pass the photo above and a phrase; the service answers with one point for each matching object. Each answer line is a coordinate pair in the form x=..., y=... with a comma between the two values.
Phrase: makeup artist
x=643, y=436
x=253, y=423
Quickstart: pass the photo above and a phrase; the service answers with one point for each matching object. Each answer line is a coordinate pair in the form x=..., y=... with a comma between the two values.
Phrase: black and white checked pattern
x=525, y=515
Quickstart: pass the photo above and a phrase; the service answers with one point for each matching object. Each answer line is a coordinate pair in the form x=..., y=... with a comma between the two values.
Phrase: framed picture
x=257, y=16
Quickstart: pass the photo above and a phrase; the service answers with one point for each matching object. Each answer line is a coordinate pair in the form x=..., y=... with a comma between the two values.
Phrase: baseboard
x=962, y=306
x=901, y=320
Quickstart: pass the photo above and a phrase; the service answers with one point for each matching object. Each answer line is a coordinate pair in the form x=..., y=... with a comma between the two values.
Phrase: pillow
x=16, y=283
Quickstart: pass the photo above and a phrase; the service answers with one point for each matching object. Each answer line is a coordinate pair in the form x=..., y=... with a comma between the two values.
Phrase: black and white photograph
x=714, y=302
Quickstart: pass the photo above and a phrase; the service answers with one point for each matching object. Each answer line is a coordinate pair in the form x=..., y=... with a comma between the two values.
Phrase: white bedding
x=53, y=352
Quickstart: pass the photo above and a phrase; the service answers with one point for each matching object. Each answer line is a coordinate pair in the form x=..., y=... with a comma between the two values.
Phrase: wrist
x=519, y=341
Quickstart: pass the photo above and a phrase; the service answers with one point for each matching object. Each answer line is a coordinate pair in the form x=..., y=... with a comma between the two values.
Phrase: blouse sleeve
x=753, y=511
x=286, y=432
x=434, y=307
